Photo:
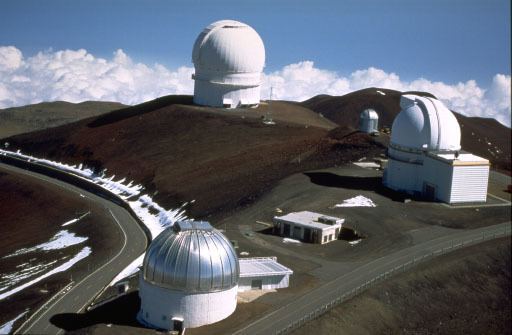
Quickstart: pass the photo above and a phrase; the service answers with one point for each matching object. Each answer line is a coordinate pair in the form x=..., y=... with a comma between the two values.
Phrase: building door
x=256, y=284
x=314, y=236
x=297, y=233
x=177, y=325
x=307, y=235
x=429, y=191
x=286, y=229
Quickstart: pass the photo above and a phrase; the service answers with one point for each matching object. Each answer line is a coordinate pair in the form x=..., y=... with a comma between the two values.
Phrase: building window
x=337, y=233
x=325, y=238
x=330, y=237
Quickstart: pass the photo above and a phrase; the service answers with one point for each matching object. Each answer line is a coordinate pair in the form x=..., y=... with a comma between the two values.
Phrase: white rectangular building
x=455, y=177
x=262, y=273
x=308, y=226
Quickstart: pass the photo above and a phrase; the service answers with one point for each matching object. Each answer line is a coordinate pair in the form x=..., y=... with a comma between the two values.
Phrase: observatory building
x=191, y=275
x=189, y=278
x=425, y=157
x=228, y=57
x=369, y=121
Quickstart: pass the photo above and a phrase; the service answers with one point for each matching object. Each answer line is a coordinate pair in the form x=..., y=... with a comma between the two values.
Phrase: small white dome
x=425, y=124
x=228, y=47
x=369, y=114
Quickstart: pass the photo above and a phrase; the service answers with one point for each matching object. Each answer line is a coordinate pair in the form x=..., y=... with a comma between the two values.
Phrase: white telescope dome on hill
x=228, y=57
x=425, y=157
x=426, y=124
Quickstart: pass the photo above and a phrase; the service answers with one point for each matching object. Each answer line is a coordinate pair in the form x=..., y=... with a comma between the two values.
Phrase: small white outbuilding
x=308, y=226
x=262, y=273
x=425, y=156
x=228, y=57
x=369, y=121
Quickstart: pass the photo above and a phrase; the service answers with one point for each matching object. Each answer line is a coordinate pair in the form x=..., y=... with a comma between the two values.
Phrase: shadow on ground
x=121, y=311
x=355, y=183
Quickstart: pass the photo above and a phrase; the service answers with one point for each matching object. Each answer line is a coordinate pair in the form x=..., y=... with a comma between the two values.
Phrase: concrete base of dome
x=230, y=96
x=160, y=305
x=403, y=177
x=439, y=177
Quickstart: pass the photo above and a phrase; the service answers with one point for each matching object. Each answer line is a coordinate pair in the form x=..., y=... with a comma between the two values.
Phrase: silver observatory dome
x=191, y=256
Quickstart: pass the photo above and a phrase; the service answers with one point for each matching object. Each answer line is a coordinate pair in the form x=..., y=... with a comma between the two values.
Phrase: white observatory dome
x=228, y=57
x=190, y=273
x=369, y=114
x=425, y=124
x=368, y=121
x=229, y=47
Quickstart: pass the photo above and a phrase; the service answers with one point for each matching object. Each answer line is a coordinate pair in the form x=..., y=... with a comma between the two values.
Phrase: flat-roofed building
x=262, y=273
x=455, y=177
x=308, y=226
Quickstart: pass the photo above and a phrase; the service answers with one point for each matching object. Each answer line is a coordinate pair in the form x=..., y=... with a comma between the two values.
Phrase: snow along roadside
x=6, y=328
x=142, y=204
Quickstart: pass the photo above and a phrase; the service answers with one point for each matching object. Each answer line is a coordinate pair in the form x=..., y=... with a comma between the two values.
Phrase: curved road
x=81, y=293
x=365, y=275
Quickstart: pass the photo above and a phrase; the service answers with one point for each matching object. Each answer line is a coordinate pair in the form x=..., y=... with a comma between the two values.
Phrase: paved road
x=80, y=295
x=311, y=301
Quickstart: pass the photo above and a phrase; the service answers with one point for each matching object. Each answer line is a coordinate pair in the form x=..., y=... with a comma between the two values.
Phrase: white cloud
x=76, y=75
x=302, y=80
x=10, y=58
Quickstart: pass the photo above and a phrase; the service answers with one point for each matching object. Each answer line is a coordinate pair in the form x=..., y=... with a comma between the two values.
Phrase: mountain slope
x=18, y=120
x=221, y=158
x=224, y=159
x=485, y=137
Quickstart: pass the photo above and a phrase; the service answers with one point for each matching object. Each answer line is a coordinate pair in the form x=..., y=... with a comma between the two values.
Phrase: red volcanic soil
x=464, y=292
x=485, y=137
x=222, y=159
x=32, y=212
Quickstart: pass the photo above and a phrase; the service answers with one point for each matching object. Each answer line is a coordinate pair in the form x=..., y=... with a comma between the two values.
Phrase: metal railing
x=342, y=296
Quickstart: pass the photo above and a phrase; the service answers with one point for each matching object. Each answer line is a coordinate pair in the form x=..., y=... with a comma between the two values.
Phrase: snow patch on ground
x=358, y=201
x=86, y=251
x=291, y=240
x=142, y=204
x=12, y=279
x=367, y=165
x=6, y=328
x=75, y=219
x=129, y=270
x=352, y=243
x=381, y=93
x=61, y=240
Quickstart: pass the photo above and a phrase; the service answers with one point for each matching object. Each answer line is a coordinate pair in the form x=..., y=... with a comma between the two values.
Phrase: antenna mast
x=268, y=116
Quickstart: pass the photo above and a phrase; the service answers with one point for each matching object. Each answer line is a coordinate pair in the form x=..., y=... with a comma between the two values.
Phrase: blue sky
x=443, y=40
x=133, y=51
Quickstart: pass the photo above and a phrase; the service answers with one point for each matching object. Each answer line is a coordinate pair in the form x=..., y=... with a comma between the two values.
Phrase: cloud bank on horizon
x=76, y=75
